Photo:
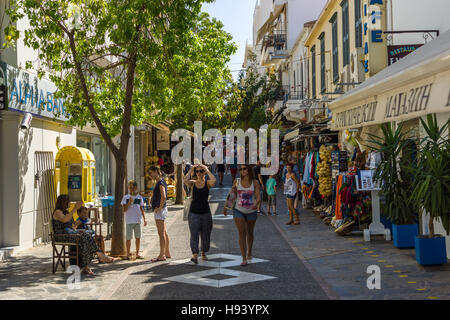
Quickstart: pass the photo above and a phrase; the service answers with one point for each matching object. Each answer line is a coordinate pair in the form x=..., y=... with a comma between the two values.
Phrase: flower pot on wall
x=431, y=250
x=404, y=235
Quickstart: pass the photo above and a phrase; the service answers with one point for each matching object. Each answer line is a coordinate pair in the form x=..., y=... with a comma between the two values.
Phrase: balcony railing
x=277, y=40
x=298, y=93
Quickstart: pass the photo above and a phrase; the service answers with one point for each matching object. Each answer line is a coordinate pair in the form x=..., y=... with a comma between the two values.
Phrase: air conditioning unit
x=357, y=66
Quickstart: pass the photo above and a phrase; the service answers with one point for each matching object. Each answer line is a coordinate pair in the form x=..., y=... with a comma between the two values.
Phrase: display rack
x=364, y=182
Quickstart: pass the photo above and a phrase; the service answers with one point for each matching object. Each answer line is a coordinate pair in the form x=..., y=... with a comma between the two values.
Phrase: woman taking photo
x=291, y=187
x=200, y=218
x=248, y=199
x=158, y=204
x=62, y=222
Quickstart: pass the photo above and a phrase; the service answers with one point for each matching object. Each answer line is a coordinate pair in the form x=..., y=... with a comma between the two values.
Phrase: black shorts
x=221, y=168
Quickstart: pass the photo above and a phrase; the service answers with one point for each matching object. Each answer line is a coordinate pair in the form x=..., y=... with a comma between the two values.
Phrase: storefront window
x=102, y=161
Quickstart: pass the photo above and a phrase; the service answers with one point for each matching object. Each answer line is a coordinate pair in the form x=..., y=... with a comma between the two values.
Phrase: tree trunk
x=118, y=237
x=179, y=199
x=431, y=226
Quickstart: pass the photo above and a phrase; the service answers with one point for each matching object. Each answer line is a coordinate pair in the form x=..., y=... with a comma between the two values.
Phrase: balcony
x=297, y=93
x=279, y=97
x=274, y=48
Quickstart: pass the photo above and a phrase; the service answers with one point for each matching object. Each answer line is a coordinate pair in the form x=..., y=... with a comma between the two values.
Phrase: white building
x=278, y=36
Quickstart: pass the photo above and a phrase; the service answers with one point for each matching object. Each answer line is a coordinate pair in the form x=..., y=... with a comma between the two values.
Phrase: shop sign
x=396, y=53
x=355, y=116
x=27, y=93
x=413, y=100
x=430, y=95
x=373, y=33
x=162, y=140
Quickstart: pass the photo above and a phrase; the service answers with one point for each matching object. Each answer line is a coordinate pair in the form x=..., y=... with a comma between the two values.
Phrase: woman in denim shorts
x=160, y=207
x=248, y=198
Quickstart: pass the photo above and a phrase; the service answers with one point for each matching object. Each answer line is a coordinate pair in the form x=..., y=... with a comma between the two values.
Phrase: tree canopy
x=118, y=63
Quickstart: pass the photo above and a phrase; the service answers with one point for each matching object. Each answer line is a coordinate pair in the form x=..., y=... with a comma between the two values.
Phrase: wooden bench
x=61, y=247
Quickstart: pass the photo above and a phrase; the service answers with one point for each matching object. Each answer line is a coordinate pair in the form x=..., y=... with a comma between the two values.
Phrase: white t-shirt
x=133, y=215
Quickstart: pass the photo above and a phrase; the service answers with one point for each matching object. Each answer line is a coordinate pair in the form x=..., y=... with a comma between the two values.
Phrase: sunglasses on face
x=199, y=171
x=244, y=168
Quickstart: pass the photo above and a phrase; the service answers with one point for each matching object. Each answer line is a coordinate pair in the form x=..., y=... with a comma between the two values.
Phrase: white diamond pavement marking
x=199, y=278
x=233, y=261
x=239, y=277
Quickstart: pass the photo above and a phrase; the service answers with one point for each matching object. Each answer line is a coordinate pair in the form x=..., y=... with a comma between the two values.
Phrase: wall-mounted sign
x=27, y=93
x=374, y=22
x=396, y=53
x=162, y=140
x=429, y=95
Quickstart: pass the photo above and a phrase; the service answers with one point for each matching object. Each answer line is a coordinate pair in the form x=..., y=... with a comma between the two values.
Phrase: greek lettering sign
x=27, y=93
x=396, y=53
x=429, y=95
x=404, y=102
x=359, y=115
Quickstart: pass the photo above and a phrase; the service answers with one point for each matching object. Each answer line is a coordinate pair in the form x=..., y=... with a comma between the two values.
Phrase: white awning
x=417, y=85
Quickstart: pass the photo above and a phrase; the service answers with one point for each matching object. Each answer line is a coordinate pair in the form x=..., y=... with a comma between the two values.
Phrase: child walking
x=271, y=189
x=133, y=204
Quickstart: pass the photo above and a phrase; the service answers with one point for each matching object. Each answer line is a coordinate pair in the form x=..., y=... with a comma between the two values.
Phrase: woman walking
x=159, y=206
x=62, y=222
x=291, y=187
x=200, y=218
x=248, y=199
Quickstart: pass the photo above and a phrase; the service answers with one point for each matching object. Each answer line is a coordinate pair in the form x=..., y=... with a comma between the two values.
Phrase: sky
x=237, y=17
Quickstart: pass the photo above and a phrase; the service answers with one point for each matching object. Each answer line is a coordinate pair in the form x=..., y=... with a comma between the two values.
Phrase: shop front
x=27, y=153
x=410, y=89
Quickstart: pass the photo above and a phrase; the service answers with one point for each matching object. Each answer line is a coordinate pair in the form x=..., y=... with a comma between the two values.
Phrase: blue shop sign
x=27, y=93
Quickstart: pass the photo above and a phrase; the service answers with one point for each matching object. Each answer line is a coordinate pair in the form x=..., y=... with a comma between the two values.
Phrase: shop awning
x=417, y=85
x=291, y=135
x=273, y=16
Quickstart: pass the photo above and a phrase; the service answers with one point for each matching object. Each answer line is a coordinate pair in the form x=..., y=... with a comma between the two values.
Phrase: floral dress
x=88, y=246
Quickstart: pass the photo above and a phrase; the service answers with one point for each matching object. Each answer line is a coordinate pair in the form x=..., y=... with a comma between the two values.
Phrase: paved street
x=308, y=261
x=289, y=278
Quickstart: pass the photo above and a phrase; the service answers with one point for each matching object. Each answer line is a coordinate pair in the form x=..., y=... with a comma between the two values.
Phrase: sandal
x=290, y=222
x=109, y=260
x=244, y=264
x=139, y=257
x=157, y=259
x=88, y=272
x=296, y=223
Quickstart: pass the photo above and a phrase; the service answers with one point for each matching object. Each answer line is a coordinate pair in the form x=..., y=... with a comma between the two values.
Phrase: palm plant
x=431, y=185
x=390, y=174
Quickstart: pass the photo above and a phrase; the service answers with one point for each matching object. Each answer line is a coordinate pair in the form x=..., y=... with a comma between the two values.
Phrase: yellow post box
x=75, y=174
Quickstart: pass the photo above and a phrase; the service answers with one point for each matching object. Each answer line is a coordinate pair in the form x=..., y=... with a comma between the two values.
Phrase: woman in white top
x=244, y=213
x=291, y=187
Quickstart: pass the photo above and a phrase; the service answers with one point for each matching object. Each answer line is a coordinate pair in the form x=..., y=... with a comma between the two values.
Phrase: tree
x=117, y=63
x=251, y=94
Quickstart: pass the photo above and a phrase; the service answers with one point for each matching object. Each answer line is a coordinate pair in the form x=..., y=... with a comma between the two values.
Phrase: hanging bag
x=187, y=203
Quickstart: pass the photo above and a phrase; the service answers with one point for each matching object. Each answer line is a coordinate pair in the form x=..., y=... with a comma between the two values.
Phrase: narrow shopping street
x=276, y=273
x=302, y=262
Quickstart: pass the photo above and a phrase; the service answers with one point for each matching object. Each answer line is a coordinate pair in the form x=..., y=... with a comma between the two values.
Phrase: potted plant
x=431, y=190
x=395, y=184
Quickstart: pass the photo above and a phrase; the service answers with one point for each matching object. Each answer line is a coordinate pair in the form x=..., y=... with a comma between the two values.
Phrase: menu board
x=364, y=181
